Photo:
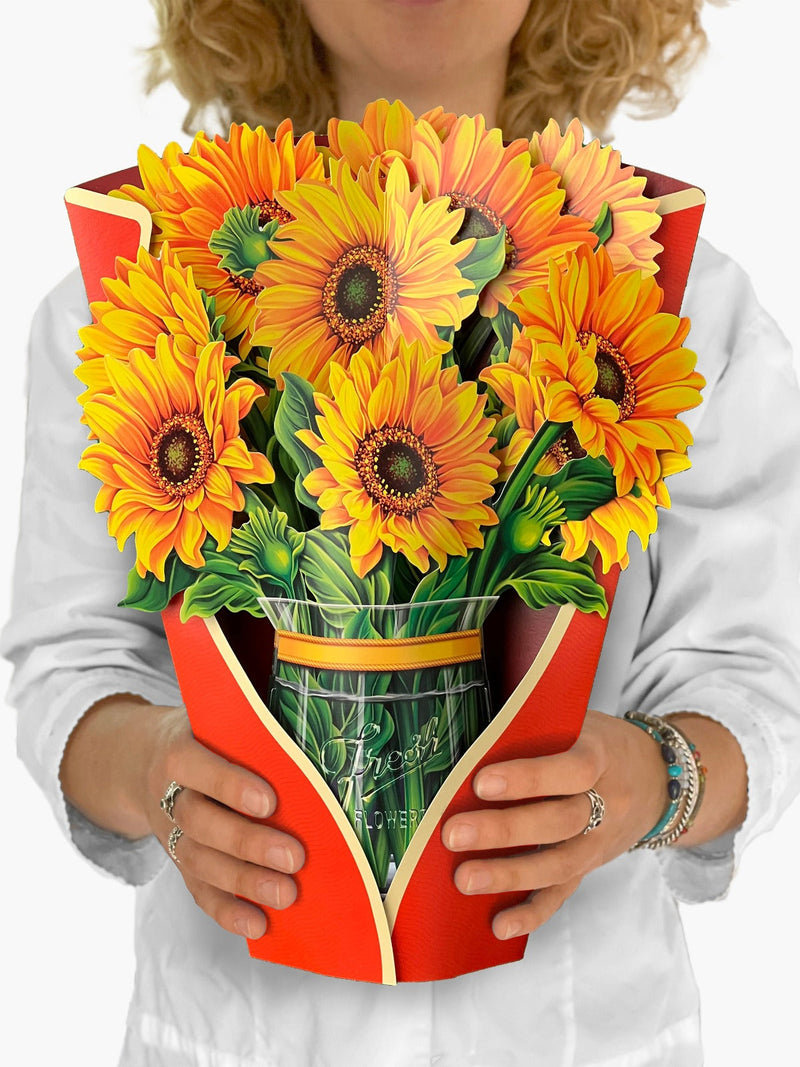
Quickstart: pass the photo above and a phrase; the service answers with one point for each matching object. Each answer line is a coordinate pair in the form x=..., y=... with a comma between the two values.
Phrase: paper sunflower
x=169, y=453
x=613, y=363
x=147, y=299
x=214, y=203
x=387, y=132
x=609, y=527
x=496, y=186
x=521, y=394
x=366, y=261
x=593, y=176
x=406, y=456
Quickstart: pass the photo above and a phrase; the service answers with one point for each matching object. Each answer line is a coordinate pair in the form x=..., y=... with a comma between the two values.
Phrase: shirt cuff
x=132, y=861
x=705, y=872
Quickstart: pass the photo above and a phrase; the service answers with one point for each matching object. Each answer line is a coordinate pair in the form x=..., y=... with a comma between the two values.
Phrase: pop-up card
x=381, y=410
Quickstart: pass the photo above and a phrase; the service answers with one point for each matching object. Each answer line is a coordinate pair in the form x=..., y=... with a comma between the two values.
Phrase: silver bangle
x=666, y=733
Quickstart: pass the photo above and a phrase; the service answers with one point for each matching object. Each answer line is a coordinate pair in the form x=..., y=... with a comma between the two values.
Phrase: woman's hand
x=544, y=803
x=118, y=764
x=223, y=853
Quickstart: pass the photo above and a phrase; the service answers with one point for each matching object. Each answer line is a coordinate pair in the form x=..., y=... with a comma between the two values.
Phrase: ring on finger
x=598, y=810
x=175, y=835
x=168, y=800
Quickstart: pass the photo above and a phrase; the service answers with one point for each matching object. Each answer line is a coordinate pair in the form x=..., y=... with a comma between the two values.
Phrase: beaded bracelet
x=683, y=802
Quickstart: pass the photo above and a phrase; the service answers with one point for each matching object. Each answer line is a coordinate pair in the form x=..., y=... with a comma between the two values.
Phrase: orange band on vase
x=378, y=654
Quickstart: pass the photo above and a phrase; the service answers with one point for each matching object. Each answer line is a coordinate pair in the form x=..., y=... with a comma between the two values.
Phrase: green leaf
x=439, y=592
x=268, y=549
x=328, y=572
x=505, y=429
x=213, y=590
x=444, y=584
x=360, y=627
x=254, y=372
x=583, y=485
x=544, y=578
x=447, y=333
x=241, y=242
x=215, y=321
x=604, y=224
x=486, y=259
x=150, y=594
x=297, y=411
x=504, y=323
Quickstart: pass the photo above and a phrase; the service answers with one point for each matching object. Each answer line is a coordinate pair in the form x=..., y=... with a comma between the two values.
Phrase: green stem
x=485, y=562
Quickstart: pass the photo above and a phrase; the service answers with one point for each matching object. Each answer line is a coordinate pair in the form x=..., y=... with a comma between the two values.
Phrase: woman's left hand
x=544, y=803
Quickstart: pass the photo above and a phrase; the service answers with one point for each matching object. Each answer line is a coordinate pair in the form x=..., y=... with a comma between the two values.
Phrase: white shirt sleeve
x=721, y=635
x=69, y=643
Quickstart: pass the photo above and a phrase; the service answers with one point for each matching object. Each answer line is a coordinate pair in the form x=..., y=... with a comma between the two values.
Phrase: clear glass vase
x=384, y=700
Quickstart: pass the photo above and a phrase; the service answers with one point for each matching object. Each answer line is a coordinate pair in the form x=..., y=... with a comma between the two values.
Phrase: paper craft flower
x=214, y=205
x=593, y=176
x=406, y=457
x=609, y=526
x=169, y=453
x=387, y=131
x=496, y=186
x=366, y=261
x=521, y=395
x=148, y=299
x=614, y=365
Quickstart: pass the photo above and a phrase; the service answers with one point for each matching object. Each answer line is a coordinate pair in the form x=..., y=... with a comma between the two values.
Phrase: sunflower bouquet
x=367, y=384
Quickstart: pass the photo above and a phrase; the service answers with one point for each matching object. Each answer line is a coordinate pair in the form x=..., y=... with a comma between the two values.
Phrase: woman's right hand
x=223, y=853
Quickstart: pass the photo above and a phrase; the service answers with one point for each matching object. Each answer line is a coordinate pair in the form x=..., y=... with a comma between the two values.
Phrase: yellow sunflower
x=613, y=363
x=609, y=527
x=497, y=186
x=366, y=261
x=387, y=131
x=521, y=394
x=406, y=457
x=147, y=299
x=592, y=176
x=169, y=453
x=213, y=202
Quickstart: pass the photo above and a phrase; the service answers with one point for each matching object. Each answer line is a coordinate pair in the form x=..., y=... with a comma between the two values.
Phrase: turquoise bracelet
x=683, y=801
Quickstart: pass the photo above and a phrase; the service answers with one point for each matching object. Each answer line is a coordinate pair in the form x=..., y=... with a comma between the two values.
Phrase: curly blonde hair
x=258, y=61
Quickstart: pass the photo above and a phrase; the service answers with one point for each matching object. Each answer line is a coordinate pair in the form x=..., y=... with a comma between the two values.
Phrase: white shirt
x=707, y=620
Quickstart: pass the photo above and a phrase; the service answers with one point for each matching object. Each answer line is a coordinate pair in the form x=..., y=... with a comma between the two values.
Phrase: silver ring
x=168, y=800
x=598, y=810
x=175, y=835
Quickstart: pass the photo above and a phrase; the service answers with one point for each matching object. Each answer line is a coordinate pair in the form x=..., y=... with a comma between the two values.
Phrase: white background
x=74, y=110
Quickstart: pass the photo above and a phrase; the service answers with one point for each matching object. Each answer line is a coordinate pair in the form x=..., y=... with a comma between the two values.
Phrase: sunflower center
x=397, y=469
x=271, y=211
x=614, y=377
x=180, y=455
x=480, y=221
x=567, y=447
x=247, y=286
x=359, y=293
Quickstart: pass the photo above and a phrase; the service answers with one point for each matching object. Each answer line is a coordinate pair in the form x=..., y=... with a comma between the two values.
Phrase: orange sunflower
x=386, y=130
x=407, y=458
x=496, y=186
x=613, y=363
x=521, y=394
x=214, y=205
x=609, y=527
x=147, y=299
x=593, y=176
x=366, y=261
x=169, y=453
